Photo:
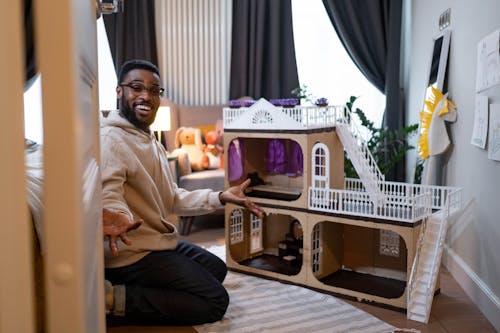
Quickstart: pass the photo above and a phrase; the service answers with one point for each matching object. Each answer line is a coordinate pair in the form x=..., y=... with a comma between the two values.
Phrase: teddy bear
x=213, y=151
x=189, y=140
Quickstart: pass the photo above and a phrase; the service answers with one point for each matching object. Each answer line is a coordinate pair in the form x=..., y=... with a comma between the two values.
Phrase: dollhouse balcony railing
x=439, y=194
x=265, y=116
x=401, y=202
x=353, y=203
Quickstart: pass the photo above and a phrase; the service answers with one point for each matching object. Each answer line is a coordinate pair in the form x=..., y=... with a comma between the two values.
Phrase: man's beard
x=130, y=115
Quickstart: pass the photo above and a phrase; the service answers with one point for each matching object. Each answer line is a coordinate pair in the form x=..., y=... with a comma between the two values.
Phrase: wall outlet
x=444, y=19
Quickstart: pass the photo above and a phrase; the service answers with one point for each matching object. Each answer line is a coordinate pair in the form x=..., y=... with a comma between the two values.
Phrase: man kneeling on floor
x=158, y=280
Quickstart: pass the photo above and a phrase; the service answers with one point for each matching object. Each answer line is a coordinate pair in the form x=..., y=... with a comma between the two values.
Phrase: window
x=236, y=226
x=33, y=116
x=320, y=166
x=255, y=234
x=33, y=120
x=316, y=250
x=106, y=68
x=324, y=65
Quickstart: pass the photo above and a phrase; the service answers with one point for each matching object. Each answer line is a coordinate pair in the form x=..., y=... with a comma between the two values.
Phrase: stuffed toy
x=213, y=151
x=189, y=140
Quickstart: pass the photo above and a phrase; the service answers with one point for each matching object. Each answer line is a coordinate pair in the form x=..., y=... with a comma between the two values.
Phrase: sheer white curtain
x=33, y=121
x=33, y=116
x=324, y=65
x=107, y=74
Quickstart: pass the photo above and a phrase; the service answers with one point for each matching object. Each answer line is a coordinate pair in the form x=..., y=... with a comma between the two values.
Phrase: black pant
x=173, y=287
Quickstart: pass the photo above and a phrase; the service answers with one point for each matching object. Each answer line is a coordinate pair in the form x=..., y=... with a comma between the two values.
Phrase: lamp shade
x=162, y=119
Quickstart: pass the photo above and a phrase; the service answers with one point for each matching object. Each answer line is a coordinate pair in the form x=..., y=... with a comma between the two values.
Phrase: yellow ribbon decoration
x=446, y=107
x=426, y=117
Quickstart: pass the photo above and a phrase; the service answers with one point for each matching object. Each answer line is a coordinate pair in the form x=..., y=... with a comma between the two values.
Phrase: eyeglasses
x=138, y=88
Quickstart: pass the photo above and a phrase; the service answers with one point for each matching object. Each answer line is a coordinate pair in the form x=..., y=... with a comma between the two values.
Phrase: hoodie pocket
x=170, y=228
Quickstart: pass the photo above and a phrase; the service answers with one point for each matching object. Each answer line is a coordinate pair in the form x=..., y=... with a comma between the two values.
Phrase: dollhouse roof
x=263, y=115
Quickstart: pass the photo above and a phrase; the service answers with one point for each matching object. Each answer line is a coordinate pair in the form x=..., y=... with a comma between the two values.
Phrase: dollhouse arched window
x=236, y=226
x=320, y=166
x=316, y=250
x=255, y=234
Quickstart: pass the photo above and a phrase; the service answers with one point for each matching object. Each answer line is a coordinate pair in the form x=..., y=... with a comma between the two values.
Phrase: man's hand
x=236, y=195
x=115, y=226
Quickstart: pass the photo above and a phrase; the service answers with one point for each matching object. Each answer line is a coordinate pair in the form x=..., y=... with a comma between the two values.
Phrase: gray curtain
x=370, y=31
x=131, y=34
x=29, y=43
x=263, y=60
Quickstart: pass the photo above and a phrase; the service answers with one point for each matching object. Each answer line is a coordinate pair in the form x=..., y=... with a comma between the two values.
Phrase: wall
x=473, y=238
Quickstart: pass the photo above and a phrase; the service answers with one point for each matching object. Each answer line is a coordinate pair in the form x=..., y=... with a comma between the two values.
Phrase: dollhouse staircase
x=361, y=157
x=425, y=270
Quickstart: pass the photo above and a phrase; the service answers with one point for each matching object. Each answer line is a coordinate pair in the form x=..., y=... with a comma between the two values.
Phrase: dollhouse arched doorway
x=255, y=234
x=320, y=172
x=320, y=166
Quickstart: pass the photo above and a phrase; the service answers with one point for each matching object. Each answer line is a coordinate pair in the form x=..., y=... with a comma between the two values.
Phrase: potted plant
x=303, y=94
x=322, y=101
x=388, y=147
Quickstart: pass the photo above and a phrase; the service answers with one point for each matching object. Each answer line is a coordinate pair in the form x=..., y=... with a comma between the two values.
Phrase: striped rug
x=265, y=306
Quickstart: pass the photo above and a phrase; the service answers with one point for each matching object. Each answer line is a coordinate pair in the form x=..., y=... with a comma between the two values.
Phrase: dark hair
x=136, y=64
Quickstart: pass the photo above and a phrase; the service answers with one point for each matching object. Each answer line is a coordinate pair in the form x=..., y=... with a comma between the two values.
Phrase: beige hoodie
x=137, y=180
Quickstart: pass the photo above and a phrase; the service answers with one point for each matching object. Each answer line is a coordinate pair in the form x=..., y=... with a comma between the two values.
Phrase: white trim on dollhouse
x=263, y=115
x=403, y=202
x=255, y=234
x=316, y=257
x=401, y=208
x=236, y=229
x=320, y=168
x=371, y=196
x=361, y=158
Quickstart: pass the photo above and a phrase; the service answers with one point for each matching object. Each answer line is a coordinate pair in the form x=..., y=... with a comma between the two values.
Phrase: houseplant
x=303, y=94
x=388, y=147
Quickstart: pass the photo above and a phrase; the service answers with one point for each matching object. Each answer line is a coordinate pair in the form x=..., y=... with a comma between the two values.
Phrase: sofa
x=205, y=118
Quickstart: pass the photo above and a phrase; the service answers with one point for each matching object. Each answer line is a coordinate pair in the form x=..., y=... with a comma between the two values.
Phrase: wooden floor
x=452, y=310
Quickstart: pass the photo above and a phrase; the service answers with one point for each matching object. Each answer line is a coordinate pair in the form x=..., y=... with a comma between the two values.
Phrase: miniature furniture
x=366, y=238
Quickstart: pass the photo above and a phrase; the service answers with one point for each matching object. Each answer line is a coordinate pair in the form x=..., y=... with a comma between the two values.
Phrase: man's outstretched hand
x=115, y=226
x=236, y=195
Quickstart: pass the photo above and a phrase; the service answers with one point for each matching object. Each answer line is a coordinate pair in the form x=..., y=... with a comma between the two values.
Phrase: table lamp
x=162, y=122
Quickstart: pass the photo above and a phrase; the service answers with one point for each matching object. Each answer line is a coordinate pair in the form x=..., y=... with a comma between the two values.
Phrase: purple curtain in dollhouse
x=284, y=157
x=276, y=156
x=235, y=160
x=295, y=159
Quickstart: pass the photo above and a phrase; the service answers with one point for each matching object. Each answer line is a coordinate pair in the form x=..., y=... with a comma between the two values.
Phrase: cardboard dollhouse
x=366, y=239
